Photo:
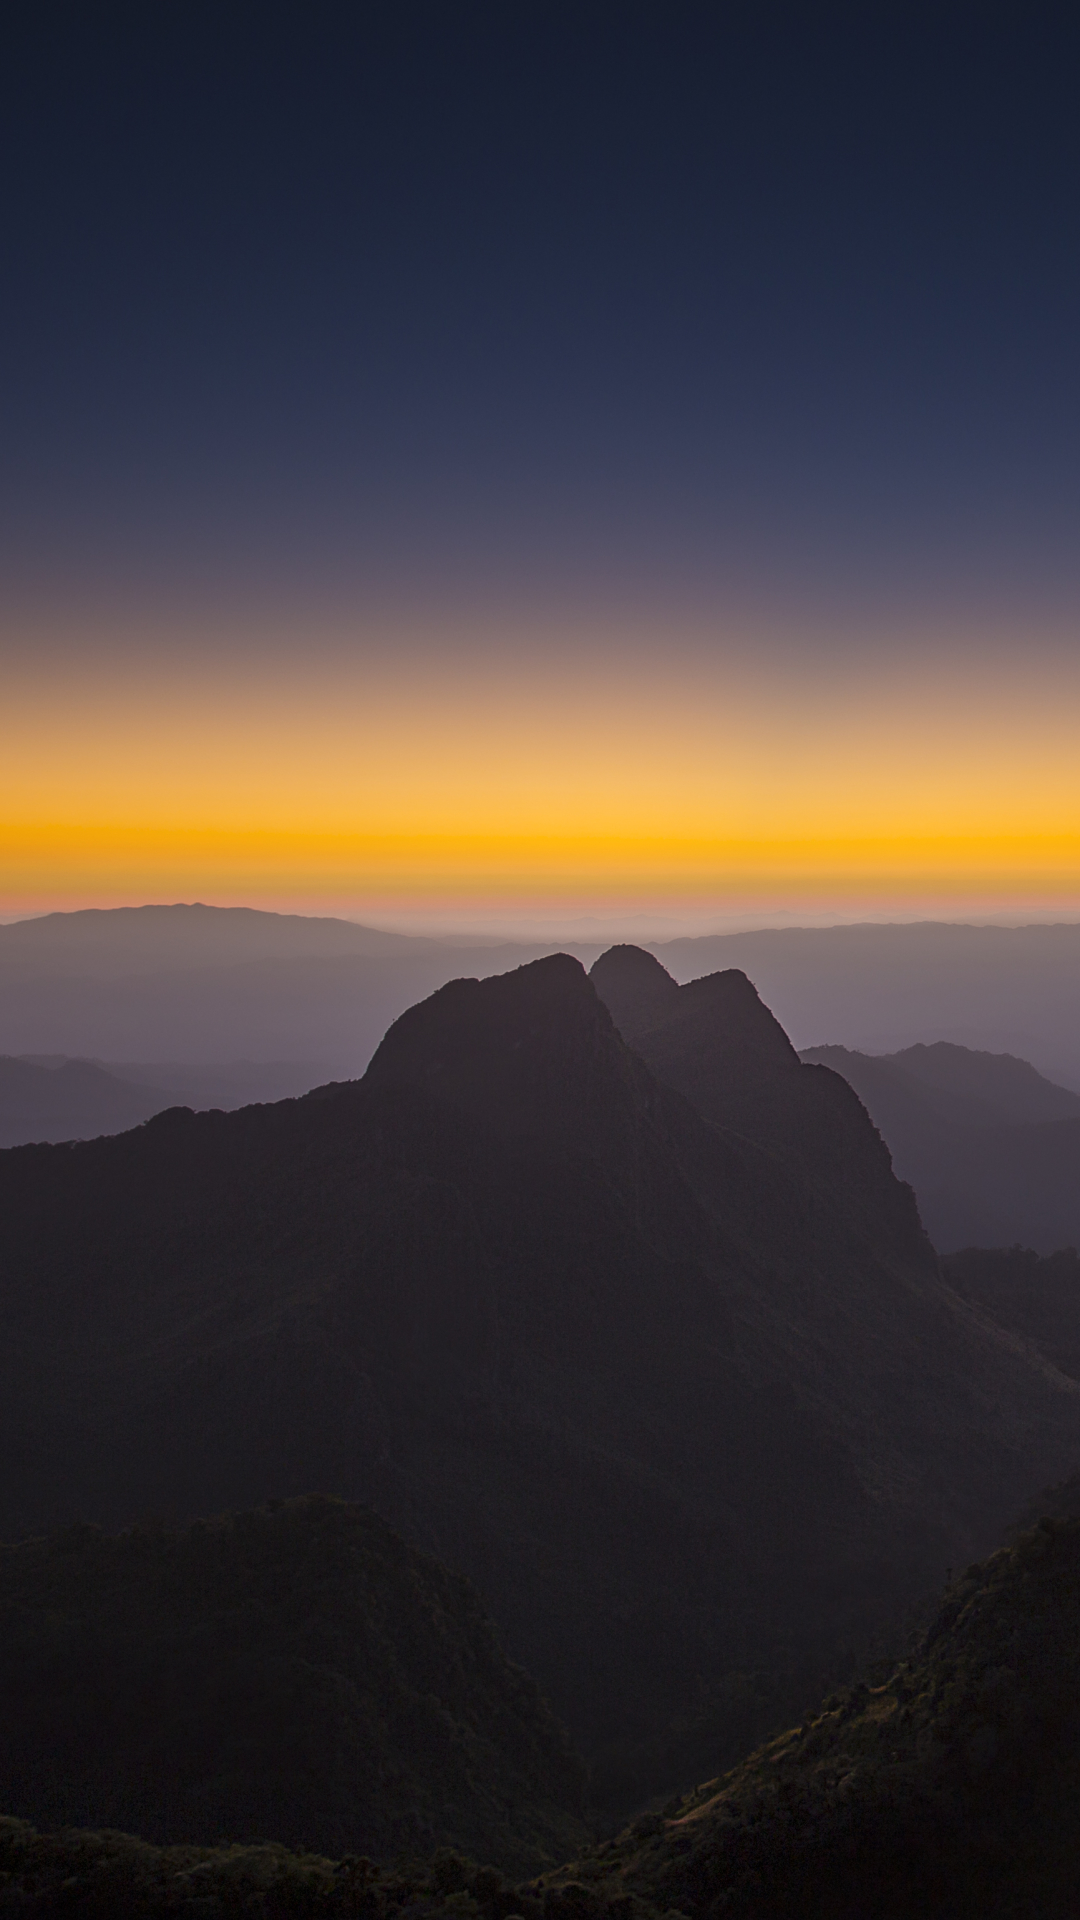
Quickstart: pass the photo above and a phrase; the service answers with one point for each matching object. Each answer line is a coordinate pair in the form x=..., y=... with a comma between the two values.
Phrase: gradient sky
x=497, y=465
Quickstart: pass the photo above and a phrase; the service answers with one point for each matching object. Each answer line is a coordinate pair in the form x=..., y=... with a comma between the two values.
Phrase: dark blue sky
x=445, y=300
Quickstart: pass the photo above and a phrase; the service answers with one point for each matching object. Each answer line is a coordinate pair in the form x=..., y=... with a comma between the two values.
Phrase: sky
x=517, y=467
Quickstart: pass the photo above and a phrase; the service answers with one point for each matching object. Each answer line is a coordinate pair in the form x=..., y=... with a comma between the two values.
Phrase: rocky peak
x=724, y=1011
x=529, y=1049
x=637, y=991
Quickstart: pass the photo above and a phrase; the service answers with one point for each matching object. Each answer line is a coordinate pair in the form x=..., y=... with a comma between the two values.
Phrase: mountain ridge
x=672, y=1409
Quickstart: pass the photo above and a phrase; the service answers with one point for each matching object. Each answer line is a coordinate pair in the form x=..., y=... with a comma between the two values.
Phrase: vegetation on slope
x=295, y=1674
x=945, y=1790
x=114, y=1876
x=948, y=1789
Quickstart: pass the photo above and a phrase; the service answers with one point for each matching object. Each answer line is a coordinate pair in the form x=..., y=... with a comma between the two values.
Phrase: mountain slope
x=674, y=1409
x=299, y=1675
x=949, y=1790
x=945, y=1790
x=984, y=1088
x=714, y=1041
x=990, y=1147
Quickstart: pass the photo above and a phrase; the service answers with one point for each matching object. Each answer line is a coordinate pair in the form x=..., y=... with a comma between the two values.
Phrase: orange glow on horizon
x=497, y=785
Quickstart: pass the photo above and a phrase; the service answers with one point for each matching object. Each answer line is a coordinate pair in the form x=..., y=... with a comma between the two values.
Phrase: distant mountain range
x=648, y=1340
x=882, y=988
x=200, y=984
x=991, y=1148
x=203, y=985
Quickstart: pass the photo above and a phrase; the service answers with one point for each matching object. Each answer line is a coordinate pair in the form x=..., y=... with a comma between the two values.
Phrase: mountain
x=110, y=942
x=682, y=1409
x=944, y=1786
x=947, y=1789
x=296, y=1674
x=201, y=985
x=714, y=1041
x=991, y=1148
x=877, y=988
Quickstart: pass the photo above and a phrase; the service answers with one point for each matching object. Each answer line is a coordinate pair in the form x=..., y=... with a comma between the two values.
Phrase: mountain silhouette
x=714, y=1041
x=679, y=1407
x=878, y=987
x=297, y=1674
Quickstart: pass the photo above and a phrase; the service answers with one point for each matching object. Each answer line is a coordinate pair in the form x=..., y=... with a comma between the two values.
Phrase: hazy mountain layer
x=948, y=1790
x=198, y=984
x=991, y=1148
x=298, y=1675
x=679, y=1409
x=73, y=1100
x=879, y=988
x=56, y=1099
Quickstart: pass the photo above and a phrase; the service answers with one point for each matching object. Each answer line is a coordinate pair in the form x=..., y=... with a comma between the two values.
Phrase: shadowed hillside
x=681, y=1410
x=714, y=1041
x=298, y=1675
x=944, y=1788
x=947, y=1790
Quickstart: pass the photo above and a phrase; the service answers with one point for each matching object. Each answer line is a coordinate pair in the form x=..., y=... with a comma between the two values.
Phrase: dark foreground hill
x=297, y=1675
x=948, y=1791
x=687, y=1405
x=945, y=1790
x=991, y=1148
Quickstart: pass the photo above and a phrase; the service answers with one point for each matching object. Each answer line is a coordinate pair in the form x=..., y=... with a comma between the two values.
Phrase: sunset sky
x=481, y=466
